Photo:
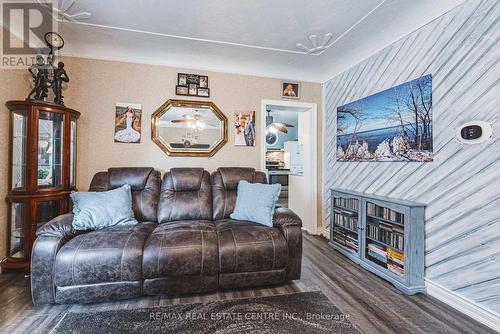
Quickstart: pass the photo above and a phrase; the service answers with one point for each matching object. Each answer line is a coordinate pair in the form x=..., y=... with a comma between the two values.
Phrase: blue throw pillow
x=256, y=202
x=98, y=210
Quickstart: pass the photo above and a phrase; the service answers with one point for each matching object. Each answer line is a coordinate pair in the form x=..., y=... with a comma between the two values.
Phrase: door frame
x=312, y=109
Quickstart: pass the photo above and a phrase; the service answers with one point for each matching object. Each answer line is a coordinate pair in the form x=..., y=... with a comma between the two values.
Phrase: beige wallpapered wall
x=96, y=85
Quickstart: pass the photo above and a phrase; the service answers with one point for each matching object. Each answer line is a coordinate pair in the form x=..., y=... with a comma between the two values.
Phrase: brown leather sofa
x=185, y=241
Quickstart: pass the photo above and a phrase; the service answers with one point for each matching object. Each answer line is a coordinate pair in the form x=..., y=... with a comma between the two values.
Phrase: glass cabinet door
x=50, y=149
x=45, y=211
x=17, y=221
x=19, y=120
x=72, y=152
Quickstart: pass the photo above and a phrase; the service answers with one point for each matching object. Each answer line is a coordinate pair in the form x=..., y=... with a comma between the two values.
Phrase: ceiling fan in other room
x=272, y=128
x=194, y=121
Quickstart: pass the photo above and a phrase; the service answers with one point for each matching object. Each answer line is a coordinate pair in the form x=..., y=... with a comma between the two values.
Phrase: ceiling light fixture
x=316, y=48
x=319, y=49
x=273, y=127
x=61, y=8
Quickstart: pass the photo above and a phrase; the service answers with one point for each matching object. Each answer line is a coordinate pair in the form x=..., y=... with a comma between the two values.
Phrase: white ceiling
x=256, y=37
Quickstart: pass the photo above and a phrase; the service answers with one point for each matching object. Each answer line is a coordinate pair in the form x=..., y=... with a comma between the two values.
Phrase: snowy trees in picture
x=393, y=125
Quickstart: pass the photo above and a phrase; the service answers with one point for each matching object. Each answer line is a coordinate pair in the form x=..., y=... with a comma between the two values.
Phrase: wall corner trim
x=464, y=305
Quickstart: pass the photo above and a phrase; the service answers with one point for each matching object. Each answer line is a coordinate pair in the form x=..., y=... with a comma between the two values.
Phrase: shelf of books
x=383, y=235
x=385, y=238
x=345, y=223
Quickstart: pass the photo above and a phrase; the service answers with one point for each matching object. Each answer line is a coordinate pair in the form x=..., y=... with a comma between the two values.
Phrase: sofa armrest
x=291, y=226
x=59, y=227
x=50, y=238
x=285, y=217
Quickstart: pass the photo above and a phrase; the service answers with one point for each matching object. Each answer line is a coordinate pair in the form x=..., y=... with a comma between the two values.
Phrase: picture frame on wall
x=203, y=92
x=244, y=128
x=193, y=89
x=181, y=90
x=290, y=90
x=193, y=79
x=182, y=79
x=203, y=81
x=392, y=125
x=128, y=122
x=192, y=85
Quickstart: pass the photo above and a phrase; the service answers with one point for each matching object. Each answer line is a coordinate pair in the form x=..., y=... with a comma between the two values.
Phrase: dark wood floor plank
x=378, y=300
x=435, y=316
x=343, y=283
x=374, y=306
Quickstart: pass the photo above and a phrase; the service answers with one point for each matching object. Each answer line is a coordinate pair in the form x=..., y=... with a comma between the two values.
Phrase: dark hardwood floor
x=374, y=306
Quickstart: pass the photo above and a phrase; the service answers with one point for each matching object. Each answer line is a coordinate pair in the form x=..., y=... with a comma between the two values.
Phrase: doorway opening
x=289, y=155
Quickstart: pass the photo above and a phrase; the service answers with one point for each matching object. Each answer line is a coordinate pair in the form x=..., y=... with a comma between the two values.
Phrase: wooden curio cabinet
x=42, y=172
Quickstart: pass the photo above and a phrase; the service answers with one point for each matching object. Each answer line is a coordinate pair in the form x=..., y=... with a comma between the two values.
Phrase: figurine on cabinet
x=40, y=79
x=46, y=75
x=60, y=76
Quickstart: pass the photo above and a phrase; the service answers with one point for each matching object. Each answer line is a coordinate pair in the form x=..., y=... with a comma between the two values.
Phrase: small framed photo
x=204, y=92
x=193, y=89
x=192, y=85
x=193, y=79
x=203, y=81
x=181, y=90
x=181, y=79
x=290, y=90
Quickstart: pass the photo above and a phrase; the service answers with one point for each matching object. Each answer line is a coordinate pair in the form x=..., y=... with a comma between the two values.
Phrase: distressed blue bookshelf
x=382, y=235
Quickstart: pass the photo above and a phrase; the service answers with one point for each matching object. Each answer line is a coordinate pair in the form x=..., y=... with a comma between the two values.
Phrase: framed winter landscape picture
x=392, y=125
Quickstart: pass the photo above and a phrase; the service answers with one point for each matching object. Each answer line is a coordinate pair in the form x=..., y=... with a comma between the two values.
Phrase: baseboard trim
x=464, y=305
x=324, y=232
x=306, y=230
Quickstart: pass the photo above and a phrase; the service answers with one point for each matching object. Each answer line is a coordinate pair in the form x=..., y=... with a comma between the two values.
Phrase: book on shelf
x=344, y=212
x=398, y=229
x=348, y=203
x=396, y=256
x=385, y=213
x=352, y=245
x=348, y=222
x=386, y=233
x=378, y=249
x=395, y=268
x=377, y=252
x=345, y=239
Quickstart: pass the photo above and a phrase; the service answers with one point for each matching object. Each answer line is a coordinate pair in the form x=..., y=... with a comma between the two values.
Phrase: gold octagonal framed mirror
x=189, y=128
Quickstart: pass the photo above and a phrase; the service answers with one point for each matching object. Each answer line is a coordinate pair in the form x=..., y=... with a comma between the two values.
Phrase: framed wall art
x=192, y=85
x=392, y=125
x=128, y=122
x=189, y=128
x=244, y=128
x=290, y=90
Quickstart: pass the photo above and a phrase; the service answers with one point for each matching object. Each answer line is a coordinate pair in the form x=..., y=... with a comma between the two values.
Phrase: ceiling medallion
x=61, y=8
x=316, y=48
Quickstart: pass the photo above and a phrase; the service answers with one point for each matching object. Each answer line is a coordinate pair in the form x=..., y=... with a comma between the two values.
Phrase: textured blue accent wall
x=462, y=186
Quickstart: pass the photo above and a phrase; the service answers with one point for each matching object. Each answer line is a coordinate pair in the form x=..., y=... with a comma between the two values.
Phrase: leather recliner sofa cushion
x=224, y=188
x=145, y=188
x=250, y=247
x=181, y=248
x=186, y=194
x=109, y=255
